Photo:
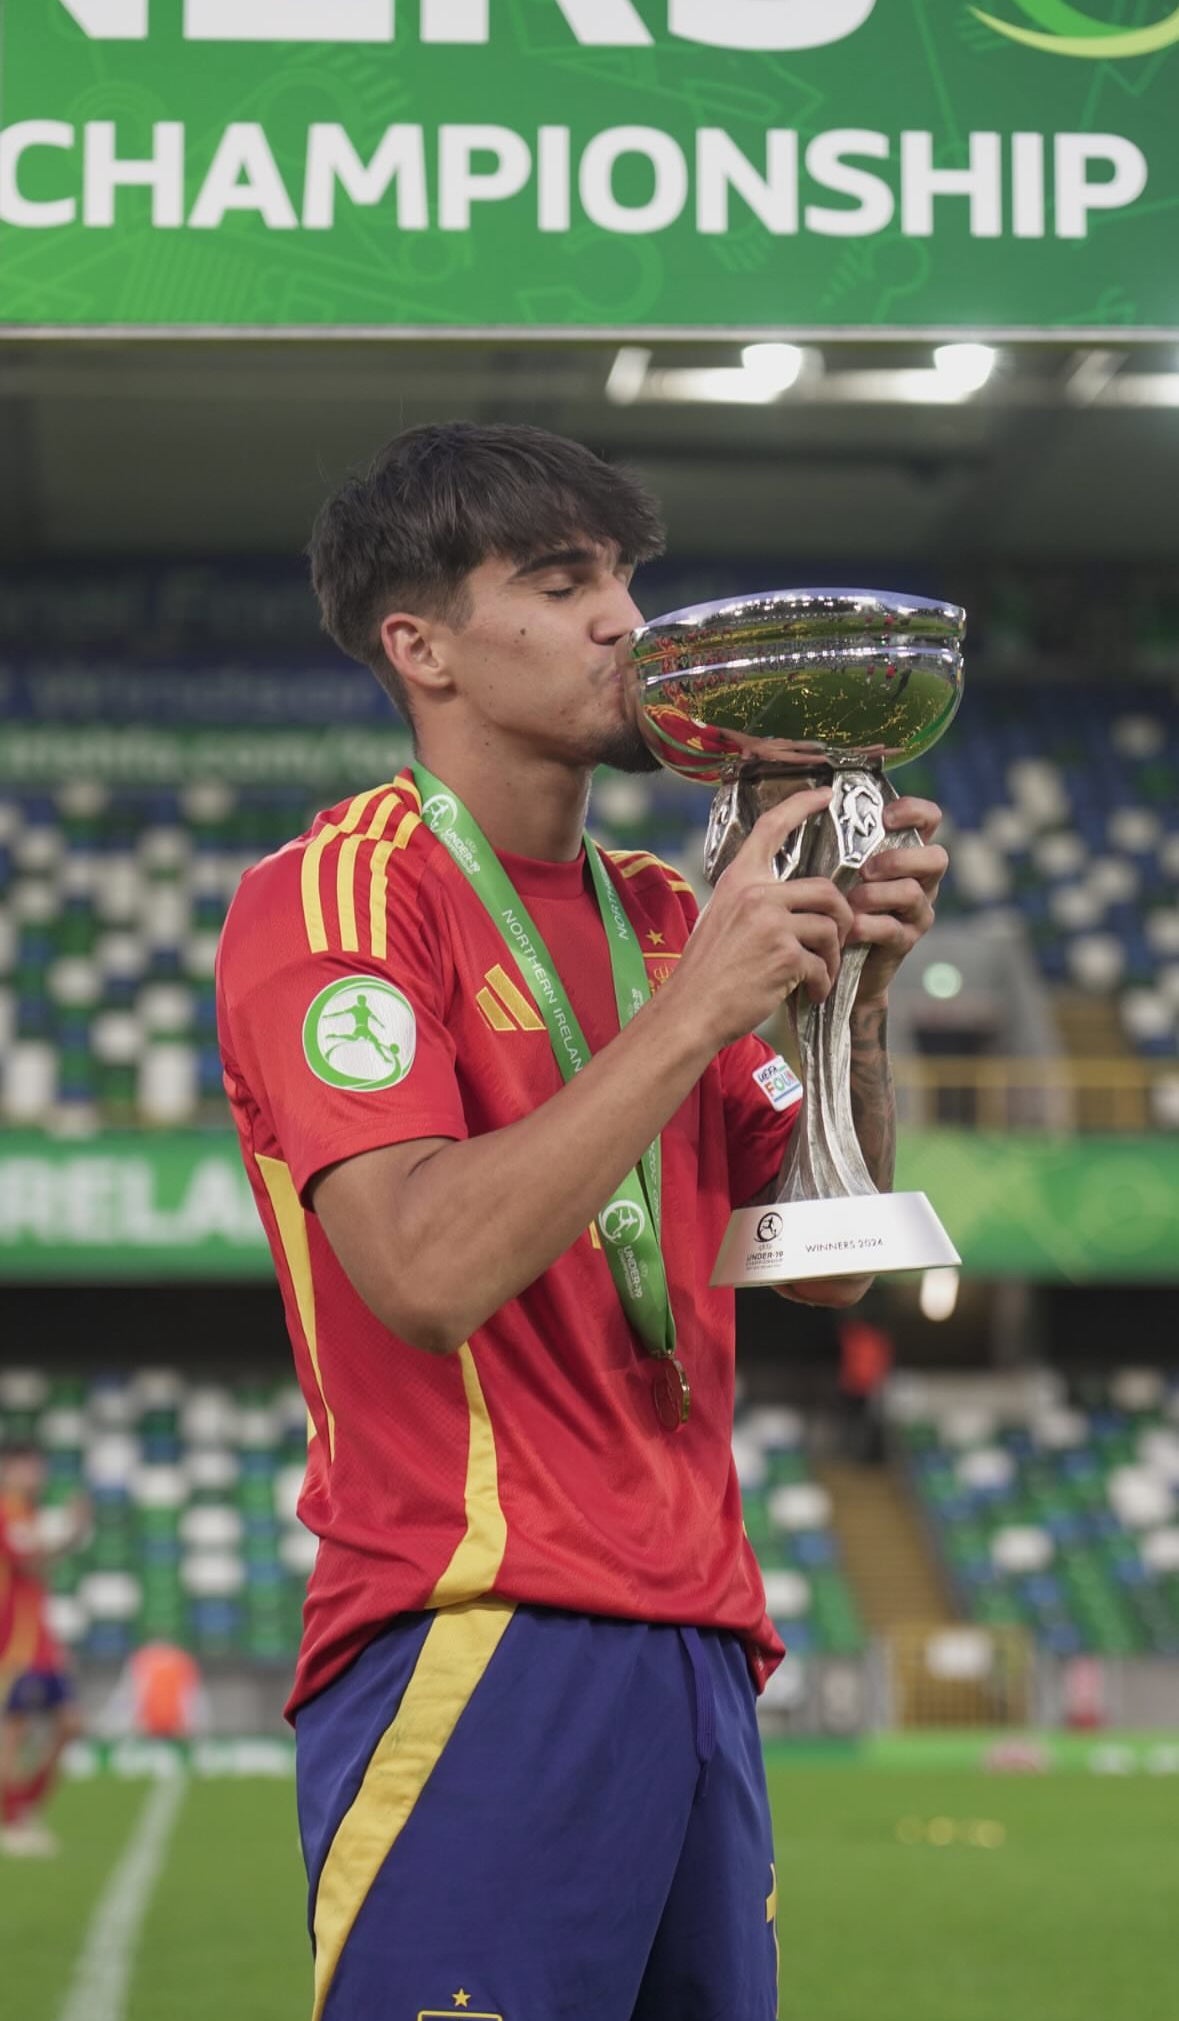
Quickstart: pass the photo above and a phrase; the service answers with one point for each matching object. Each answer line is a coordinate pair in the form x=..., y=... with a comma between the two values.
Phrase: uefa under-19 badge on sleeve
x=360, y=1033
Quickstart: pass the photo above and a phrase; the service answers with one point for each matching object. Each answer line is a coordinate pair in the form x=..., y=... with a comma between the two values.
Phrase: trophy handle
x=824, y=1161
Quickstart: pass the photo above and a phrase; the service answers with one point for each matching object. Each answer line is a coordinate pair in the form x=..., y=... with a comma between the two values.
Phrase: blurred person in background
x=866, y=1356
x=38, y=1692
x=160, y=1695
x=529, y=1769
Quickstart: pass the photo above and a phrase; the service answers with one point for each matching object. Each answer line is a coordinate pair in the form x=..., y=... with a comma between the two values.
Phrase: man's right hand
x=759, y=938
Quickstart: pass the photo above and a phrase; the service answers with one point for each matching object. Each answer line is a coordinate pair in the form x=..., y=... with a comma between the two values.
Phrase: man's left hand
x=893, y=897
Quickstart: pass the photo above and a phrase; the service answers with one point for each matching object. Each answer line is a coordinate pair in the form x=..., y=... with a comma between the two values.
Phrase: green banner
x=1078, y=1210
x=589, y=165
x=126, y=1206
x=147, y=755
x=1067, y=1209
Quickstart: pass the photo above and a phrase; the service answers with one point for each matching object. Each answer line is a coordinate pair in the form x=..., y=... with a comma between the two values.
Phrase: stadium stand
x=1057, y=1512
x=1065, y=813
x=193, y=1487
x=195, y=1538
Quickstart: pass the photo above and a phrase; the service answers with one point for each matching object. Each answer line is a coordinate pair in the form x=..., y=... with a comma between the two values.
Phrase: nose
x=619, y=613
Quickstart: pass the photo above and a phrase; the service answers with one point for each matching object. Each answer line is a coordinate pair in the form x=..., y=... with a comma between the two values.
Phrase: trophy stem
x=825, y=1161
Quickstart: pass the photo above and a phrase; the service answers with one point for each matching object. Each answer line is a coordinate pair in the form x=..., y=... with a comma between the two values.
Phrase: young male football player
x=498, y=1094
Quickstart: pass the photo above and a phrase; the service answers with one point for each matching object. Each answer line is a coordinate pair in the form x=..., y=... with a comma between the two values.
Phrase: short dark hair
x=439, y=500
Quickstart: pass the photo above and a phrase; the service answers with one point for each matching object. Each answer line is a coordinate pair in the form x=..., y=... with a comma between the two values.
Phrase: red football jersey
x=366, y=998
x=26, y=1642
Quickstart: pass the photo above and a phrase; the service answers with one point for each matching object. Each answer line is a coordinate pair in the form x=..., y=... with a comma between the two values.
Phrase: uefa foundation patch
x=780, y=1086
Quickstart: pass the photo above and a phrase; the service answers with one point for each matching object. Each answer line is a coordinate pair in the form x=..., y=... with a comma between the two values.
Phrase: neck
x=526, y=805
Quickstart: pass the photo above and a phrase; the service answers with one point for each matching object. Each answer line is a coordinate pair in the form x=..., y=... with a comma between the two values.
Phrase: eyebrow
x=560, y=557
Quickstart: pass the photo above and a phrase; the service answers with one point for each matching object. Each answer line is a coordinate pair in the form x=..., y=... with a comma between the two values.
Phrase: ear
x=415, y=650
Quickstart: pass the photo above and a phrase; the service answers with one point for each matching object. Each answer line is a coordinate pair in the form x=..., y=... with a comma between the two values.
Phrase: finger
x=816, y=934
x=884, y=929
x=906, y=897
x=756, y=856
x=815, y=894
x=929, y=863
x=909, y=811
x=817, y=979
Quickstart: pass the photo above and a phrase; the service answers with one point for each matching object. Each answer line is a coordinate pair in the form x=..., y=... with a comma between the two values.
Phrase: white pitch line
x=98, y=1991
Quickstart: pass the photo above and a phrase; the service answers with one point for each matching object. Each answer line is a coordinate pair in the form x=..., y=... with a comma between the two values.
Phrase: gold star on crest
x=656, y=939
x=462, y=1999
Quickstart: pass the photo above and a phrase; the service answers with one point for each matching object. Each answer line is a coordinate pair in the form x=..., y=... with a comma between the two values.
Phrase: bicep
x=362, y=1205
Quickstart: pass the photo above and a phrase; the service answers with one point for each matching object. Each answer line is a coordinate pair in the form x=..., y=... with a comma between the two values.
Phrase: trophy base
x=789, y=1240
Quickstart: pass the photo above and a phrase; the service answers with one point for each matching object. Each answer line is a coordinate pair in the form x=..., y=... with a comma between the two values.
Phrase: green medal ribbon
x=631, y=1224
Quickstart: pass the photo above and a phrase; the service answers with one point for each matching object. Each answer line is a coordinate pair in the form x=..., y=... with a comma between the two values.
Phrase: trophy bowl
x=758, y=697
x=798, y=678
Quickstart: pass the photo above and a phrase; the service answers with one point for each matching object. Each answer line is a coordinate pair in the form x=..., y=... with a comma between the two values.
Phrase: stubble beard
x=623, y=749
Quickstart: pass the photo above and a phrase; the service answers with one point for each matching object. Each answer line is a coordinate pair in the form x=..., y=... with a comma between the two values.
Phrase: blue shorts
x=37, y=1691
x=517, y=1814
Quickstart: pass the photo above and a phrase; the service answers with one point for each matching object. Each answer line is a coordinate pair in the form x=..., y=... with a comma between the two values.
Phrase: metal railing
x=1059, y=1093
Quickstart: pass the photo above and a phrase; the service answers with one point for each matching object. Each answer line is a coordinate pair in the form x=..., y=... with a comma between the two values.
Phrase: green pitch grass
x=903, y=1896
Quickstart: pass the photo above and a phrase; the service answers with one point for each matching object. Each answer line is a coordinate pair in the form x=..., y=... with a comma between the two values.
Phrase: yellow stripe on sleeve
x=378, y=889
x=292, y=1232
x=346, y=893
x=317, y=938
x=346, y=872
x=459, y=1645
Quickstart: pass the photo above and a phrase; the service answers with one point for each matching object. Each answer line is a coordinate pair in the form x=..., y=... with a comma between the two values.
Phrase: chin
x=625, y=751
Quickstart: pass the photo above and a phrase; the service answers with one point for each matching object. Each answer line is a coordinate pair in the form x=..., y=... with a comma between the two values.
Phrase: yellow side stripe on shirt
x=378, y=923
x=317, y=938
x=292, y=1233
x=462, y=1639
x=475, y=1564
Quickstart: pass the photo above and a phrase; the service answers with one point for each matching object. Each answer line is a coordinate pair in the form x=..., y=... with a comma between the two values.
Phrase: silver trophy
x=762, y=697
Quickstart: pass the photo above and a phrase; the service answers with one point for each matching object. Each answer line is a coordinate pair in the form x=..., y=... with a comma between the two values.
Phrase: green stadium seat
x=1067, y=1542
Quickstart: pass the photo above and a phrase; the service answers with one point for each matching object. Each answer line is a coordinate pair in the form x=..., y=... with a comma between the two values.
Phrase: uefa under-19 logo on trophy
x=761, y=697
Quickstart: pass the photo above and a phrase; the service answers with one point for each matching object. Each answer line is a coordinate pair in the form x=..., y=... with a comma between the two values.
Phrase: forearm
x=523, y=1195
